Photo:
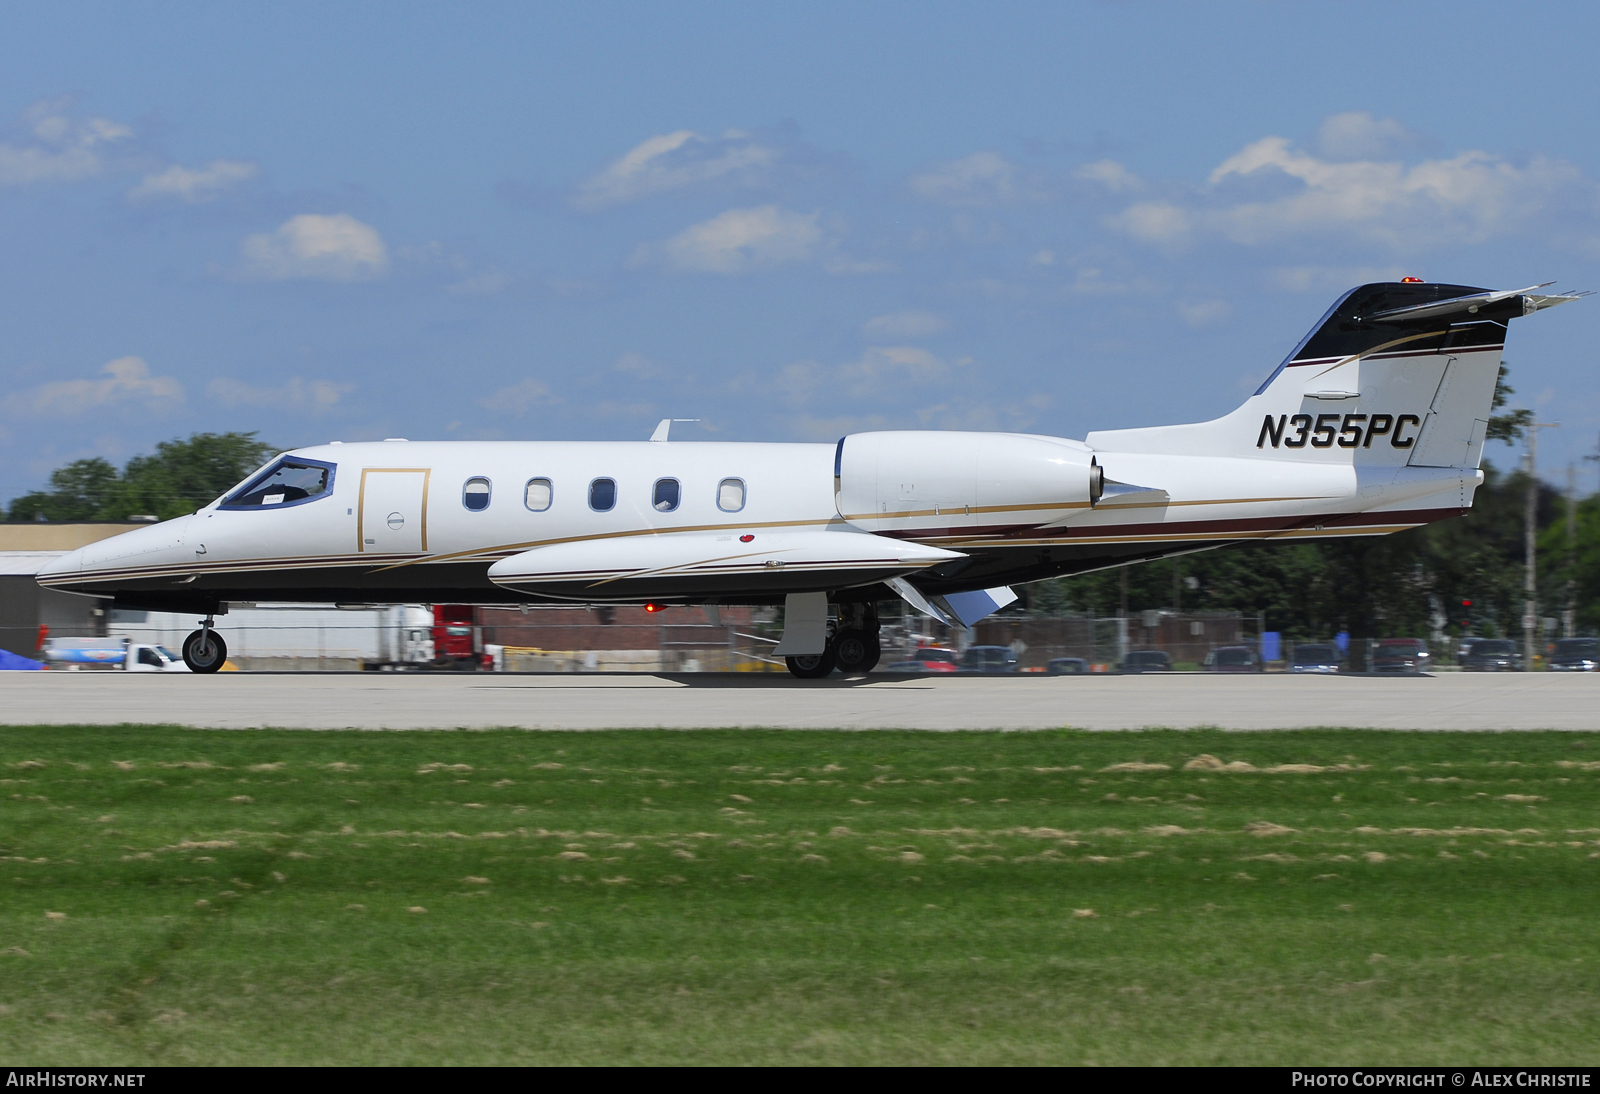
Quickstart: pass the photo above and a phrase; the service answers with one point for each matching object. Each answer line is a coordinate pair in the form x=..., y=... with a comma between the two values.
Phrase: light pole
x=1569, y=617
x=1530, y=618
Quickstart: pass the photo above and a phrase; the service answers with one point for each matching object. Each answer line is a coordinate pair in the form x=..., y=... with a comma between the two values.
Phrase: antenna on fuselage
x=666, y=427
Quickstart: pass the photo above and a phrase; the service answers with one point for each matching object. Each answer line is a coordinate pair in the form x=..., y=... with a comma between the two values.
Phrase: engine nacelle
x=965, y=483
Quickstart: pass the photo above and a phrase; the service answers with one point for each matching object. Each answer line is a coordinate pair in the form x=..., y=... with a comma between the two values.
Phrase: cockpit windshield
x=287, y=482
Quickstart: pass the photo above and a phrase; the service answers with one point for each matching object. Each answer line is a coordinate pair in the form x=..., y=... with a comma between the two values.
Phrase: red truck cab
x=456, y=638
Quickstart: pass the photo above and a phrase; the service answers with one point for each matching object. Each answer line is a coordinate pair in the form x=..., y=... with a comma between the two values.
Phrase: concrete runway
x=383, y=701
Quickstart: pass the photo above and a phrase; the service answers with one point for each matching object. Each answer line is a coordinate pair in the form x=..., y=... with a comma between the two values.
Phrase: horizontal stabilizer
x=1468, y=303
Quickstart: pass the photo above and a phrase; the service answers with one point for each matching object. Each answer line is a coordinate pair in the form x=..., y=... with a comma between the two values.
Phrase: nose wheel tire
x=204, y=651
x=856, y=652
x=812, y=666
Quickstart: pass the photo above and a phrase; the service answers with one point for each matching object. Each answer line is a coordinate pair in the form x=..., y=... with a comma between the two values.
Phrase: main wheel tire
x=812, y=666
x=204, y=651
x=856, y=651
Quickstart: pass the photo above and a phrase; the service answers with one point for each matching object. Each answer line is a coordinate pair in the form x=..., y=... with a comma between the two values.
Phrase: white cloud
x=1358, y=136
x=324, y=248
x=62, y=149
x=638, y=366
x=1465, y=198
x=484, y=283
x=982, y=178
x=900, y=387
x=879, y=372
x=521, y=397
x=738, y=241
x=1204, y=312
x=194, y=185
x=1154, y=222
x=296, y=393
x=671, y=161
x=123, y=381
x=905, y=324
x=1110, y=174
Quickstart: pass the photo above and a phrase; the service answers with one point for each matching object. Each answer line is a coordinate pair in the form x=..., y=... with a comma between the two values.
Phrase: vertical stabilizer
x=1396, y=374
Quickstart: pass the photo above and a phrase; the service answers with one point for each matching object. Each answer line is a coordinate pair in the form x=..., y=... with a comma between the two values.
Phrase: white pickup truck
x=101, y=654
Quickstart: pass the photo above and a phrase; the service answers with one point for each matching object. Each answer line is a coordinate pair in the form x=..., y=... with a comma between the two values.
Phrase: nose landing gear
x=204, y=650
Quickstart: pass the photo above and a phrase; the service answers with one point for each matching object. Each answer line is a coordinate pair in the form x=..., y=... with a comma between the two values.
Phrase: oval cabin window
x=602, y=495
x=666, y=495
x=475, y=495
x=537, y=496
x=730, y=495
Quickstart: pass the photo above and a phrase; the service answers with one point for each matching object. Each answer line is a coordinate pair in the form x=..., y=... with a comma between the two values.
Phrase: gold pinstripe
x=504, y=550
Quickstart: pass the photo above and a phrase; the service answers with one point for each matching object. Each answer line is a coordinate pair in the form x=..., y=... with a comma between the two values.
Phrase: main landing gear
x=852, y=647
x=204, y=650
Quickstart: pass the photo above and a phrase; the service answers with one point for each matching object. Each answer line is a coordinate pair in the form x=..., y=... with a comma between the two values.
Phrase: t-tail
x=1396, y=374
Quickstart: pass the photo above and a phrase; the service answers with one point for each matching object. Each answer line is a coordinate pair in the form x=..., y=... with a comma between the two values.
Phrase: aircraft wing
x=702, y=563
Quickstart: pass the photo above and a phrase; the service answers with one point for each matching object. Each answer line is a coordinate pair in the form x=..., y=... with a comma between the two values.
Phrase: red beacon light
x=1411, y=281
x=655, y=607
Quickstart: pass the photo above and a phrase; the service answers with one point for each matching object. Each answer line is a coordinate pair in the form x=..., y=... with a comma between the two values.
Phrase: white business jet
x=1373, y=424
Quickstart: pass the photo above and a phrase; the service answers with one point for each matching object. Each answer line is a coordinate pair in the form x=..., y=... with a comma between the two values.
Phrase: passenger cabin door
x=393, y=513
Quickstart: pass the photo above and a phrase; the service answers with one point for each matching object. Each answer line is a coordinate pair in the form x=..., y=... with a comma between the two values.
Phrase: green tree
x=178, y=478
x=1512, y=426
x=77, y=492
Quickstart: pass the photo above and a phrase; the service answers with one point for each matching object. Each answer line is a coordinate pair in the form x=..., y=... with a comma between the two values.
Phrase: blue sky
x=791, y=221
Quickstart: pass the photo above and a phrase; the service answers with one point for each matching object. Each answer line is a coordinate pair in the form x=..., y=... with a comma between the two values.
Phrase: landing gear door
x=393, y=514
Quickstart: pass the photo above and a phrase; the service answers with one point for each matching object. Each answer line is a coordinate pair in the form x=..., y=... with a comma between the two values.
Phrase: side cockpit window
x=289, y=481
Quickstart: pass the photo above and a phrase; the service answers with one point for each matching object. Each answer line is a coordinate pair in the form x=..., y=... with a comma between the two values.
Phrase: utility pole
x=1530, y=520
x=1569, y=616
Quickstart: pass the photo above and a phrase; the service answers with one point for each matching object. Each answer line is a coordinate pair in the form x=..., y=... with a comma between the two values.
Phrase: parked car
x=1066, y=666
x=1232, y=659
x=989, y=659
x=1315, y=657
x=1408, y=656
x=1145, y=661
x=1575, y=655
x=1492, y=655
x=926, y=659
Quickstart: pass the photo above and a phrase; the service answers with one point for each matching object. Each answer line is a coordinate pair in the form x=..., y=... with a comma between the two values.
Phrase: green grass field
x=727, y=896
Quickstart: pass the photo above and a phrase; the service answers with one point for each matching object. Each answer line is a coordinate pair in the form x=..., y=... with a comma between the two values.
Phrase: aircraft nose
x=140, y=545
x=69, y=563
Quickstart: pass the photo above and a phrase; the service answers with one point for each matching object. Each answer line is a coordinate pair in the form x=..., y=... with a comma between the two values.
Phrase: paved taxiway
x=384, y=701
